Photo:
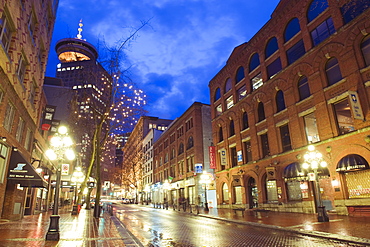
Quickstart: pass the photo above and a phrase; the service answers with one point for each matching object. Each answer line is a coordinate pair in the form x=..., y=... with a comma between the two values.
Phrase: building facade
x=25, y=29
x=180, y=157
x=302, y=79
x=133, y=172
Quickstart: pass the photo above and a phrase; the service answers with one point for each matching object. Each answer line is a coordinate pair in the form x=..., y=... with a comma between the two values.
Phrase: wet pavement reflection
x=158, y=227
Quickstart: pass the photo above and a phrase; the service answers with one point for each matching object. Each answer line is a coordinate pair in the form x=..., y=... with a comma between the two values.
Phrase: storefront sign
x=198, y=168
x=212, y=157
x=355, y=105
x=65, y=169
x=223, y=158
x=240, y=156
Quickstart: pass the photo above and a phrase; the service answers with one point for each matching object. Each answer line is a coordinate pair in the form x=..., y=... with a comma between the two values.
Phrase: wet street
x=159, y=227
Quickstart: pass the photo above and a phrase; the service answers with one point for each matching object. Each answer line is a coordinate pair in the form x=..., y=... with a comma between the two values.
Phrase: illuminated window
x=344, y=117
x=257, y=81
x=312, y=132
x=229, y=102
x=242, y=92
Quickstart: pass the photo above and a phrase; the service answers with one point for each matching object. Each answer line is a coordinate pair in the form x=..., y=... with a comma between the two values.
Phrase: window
x=218, y=110
x=32, y=25
x=247, y=151
x=311, y=128
x=365, y=48
x=5, y=32
x=353, y=9
x=181, y=148
x=225, y=193
x=239, y=75
x=29, y=140
x=220, y=134
x=271, y=47
x=9, y=117
x=274, y=68
x=257, y=82
x=303, y=88
x=294, y=190
x=20, y=128
x=234, y=158
x=190, y=164
x=280, y=102
x=228, y=85
x=265, y=145
x=173, y=153
x=261, y=112
x=21, y=69
x=332, y=70
x=3, y=156
x=245, y=123
x=32, y=94
x=292, y=29
x=322, y=31
x=190, y=142
x=231, y=128
x=242, y=92
x=344, y=117
x=254, y=62
x=295, y=52
x=217, y=94
x=316, y=8
x=271, y=191
x=285, y=138
x=229, y=102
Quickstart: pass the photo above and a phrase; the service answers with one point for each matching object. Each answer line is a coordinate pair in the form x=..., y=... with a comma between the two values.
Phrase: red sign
x=212, y=157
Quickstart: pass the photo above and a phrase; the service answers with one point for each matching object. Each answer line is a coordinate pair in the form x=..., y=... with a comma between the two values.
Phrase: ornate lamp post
x=312, y=161
x=166, y=187
x=205, y=179
x=60, y=150
x=77, y=178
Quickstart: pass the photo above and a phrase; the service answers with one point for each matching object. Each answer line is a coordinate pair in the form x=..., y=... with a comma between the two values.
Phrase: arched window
x=303, y=88
x=365, y=48
x=245, y=122
x=228, y=85
x=225, y=193
x=231, y=128
x=239, y=74
x=292, y=29
x=190, y=142
x=181, y=148
x=280, y=102
x=271, y=47
x=220, y=135
x=316, y=8
x=254, y=62
x=217, y=94
x=332, y=70
x=261, y=112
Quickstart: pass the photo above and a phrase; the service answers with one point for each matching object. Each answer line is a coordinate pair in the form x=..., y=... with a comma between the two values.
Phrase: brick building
x=25, y=35
x=133, y=168
x=180, y=155
x=302, y=79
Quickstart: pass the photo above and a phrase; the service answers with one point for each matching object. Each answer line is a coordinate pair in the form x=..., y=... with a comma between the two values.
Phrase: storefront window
x=272, y=195
x=294, y=190
x=225, y=193
x=238, y=194
x=358, y=184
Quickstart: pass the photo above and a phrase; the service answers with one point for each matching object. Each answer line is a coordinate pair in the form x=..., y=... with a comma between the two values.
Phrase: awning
x=23, y=173
x=352, y=162
x=294, y=171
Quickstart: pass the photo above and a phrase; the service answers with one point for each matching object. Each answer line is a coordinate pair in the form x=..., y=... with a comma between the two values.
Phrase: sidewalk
x=75, y=230
x=344, y=228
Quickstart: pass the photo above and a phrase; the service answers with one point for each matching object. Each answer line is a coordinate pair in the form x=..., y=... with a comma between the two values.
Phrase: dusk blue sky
x=174, y=57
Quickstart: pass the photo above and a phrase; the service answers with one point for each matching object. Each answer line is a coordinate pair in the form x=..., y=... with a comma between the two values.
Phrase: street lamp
x=313, y=161
x=205, y=179
x=77, y=178
x=166, y=187
x=60, y=150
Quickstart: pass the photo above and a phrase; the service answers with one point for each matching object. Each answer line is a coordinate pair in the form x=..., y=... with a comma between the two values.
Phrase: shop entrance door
x=252, y=193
